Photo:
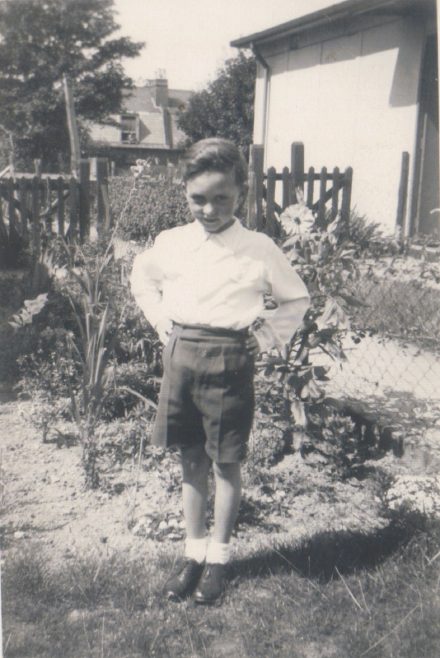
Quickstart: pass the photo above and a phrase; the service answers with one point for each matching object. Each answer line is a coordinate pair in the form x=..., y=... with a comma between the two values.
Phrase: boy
x=201, y=286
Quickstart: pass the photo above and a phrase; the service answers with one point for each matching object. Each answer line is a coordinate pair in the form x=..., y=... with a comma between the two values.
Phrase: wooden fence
x=36, y=207
x=326, y=201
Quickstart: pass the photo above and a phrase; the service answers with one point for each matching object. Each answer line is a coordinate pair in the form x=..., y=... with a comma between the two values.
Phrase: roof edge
x=318, y=18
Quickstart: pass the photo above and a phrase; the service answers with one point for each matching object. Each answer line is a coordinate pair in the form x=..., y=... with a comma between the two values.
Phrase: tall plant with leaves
x=326, y=262
x=90, y=352
x=81, y=277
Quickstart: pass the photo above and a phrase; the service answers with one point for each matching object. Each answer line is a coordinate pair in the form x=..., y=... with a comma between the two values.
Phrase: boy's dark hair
x=214, y=154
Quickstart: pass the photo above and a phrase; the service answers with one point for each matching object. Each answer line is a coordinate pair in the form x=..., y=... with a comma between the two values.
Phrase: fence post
x=84, y=199
x=14, y=235
x=346, y=195
x=322, y=199
x=35, y=228
x=22, y=199
x=103, y=202
x=270, y=201
x=60, y=206
x=310, y=186
x=297, y=167
x=403, y=193
x=255, y=195
x=287, y=196
x=335, y=191
x=72, y=231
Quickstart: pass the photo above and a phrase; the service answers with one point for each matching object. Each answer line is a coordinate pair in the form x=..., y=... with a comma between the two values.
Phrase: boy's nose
x=209, y=210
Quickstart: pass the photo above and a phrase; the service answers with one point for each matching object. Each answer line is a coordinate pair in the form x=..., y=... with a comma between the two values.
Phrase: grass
x=337, y=595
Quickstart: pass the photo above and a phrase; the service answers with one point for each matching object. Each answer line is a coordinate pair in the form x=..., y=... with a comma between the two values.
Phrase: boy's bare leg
x=195, y=469
x=227, y=500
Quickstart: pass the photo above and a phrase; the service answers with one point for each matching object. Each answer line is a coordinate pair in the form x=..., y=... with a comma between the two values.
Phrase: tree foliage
x=226, y=107
x=40, y=41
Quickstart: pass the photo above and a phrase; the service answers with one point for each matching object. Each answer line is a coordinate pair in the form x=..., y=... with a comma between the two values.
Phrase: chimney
x=159, y=90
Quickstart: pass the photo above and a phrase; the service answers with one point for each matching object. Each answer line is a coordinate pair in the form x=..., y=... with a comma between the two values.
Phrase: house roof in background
x=141, y=99
x=178, y=97
x=332, y=14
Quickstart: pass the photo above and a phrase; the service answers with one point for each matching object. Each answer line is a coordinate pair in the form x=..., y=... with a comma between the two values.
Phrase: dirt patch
x=43, y=501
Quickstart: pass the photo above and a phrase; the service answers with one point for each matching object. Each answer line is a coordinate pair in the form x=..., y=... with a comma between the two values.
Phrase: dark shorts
x=207, y=392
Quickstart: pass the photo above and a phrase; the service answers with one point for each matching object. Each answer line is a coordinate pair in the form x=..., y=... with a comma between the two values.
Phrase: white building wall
x=352, y=100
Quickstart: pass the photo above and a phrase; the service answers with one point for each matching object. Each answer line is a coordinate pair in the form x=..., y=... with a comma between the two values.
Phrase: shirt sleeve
x=147, y=282
x=290, y=293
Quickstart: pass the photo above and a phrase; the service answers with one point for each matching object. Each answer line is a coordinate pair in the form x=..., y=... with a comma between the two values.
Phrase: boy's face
x=213, y=197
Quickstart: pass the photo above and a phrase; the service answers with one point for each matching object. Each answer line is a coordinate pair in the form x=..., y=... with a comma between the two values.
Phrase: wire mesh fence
x=396, y=349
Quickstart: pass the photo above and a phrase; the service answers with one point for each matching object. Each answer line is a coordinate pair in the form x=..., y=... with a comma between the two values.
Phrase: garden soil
x=44, y=502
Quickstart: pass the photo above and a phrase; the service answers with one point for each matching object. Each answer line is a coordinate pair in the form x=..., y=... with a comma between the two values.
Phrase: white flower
x=419, y=492
x=297, y=219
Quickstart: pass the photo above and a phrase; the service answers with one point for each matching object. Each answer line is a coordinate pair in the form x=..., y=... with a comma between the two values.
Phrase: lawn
x=335, y=595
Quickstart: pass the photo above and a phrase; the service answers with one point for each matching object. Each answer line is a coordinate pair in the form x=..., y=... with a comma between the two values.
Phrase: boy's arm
x=146, y=285
x=291, y=295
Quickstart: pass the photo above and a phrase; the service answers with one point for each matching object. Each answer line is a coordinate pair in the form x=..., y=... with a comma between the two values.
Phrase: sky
x=188, y=40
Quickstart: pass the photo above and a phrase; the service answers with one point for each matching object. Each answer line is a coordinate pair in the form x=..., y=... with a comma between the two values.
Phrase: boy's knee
x=226, y=471
x=194, y=461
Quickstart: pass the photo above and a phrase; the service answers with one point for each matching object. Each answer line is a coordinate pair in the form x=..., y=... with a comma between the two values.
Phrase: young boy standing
x=202, y=287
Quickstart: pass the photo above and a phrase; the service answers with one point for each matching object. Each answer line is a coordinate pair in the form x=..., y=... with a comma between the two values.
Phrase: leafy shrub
x=270, y=441
x=86, y=327
x=132, y=380
x=122, y=439
x=290, y=384
x=366, y=236
x=13, y=291
x=336, y=443
x=159, y=204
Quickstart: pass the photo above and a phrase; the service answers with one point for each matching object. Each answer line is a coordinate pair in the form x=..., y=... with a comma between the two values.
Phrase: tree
x=40, y=41
x=226, y=107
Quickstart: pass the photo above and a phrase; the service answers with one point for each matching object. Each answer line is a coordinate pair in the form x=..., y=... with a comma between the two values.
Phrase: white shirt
x=191, y=276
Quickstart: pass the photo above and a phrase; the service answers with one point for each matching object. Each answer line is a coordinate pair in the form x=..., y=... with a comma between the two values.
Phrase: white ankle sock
x=218, y=553
x=195, y=549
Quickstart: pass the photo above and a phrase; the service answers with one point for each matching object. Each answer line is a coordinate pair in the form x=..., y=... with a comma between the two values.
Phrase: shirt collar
x=226, y=237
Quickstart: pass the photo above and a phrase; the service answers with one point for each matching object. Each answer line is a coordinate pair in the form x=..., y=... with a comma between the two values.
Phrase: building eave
x=331, y=15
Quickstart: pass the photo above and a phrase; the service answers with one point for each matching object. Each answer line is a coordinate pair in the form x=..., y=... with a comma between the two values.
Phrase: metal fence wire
x=400, y=346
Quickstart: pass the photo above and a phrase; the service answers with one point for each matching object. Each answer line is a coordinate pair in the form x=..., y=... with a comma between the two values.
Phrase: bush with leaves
x=97, y=330
x=158, y=205
x=290, y=385
x=368, y=238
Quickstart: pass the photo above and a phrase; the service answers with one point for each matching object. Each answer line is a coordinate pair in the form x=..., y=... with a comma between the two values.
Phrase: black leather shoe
x=211, y=584
x=182, y=583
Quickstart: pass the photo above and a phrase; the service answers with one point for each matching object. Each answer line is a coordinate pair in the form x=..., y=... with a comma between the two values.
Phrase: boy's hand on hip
x=252, y=346
x=164, y=329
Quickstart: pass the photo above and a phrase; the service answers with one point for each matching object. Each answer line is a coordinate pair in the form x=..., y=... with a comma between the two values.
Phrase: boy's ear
x=243, y=195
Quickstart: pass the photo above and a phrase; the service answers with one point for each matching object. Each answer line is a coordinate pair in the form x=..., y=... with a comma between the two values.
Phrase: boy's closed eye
x=201, y=201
